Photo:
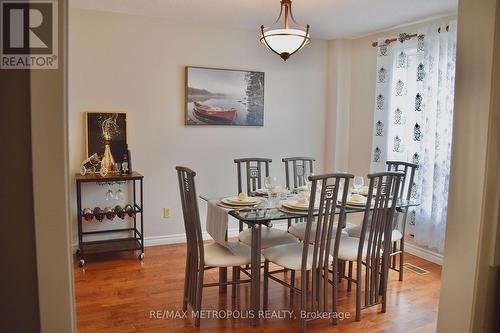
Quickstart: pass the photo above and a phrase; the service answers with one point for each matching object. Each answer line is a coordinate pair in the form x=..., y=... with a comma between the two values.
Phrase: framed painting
x=106, y=127
x=224, y=97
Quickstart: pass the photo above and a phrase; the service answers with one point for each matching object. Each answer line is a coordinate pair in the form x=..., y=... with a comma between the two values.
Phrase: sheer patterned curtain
x=413, y=121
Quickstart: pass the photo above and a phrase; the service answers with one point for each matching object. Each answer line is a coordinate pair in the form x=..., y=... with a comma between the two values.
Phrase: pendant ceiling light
x=288, y=39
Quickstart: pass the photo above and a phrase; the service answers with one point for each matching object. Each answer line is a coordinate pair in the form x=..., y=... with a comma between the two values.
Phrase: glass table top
x=264, y=213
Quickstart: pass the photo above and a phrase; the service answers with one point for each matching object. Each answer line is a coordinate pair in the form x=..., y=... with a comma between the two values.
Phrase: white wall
x=49, y=137
x=470, y=275
x=136, y=64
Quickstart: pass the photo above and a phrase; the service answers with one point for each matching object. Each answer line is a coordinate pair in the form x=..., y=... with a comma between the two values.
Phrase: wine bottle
x=129, y=158
x=99, y=214
x=109, y=212
x=129, y=210
x=87, y=214
x=125, y=163
x=119, y=212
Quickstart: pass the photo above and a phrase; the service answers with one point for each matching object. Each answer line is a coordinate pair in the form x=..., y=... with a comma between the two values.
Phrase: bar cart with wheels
x=135, y=239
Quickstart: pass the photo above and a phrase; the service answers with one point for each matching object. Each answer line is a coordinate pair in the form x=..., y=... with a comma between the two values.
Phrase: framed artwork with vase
x=106, y=134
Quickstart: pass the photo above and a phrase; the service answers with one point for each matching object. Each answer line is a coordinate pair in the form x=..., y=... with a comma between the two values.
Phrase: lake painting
x=224, y=97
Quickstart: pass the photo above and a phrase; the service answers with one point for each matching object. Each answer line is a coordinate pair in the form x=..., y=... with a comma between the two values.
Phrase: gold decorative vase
x=108, y=161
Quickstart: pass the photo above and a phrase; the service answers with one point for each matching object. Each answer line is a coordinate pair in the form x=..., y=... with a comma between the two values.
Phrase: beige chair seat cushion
x=348, y=249
x=218, y=256
x=289, y=256
x=269, y=237
x=299, y=230
x=355, y=231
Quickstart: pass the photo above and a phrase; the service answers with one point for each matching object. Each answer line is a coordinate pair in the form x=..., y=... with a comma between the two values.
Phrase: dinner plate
x=364, y=190
x=244, y=200
x=293, y=211
x=294, y=205
x=233, y=202
x=234, y=207
x=260, y=192
x=355, y=202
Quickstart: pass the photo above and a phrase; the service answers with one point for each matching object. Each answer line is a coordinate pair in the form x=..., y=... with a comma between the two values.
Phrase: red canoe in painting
x=215, y=114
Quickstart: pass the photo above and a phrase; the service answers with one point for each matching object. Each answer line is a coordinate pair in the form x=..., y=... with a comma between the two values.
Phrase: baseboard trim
x=426, y=254
x=416, y=250
x=181, y=238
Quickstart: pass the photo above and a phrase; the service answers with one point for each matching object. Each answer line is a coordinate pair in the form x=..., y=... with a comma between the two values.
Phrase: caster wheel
x=81, y=262
x=141, y=256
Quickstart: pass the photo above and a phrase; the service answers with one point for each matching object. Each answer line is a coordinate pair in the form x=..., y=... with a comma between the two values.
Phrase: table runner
x=217, y=220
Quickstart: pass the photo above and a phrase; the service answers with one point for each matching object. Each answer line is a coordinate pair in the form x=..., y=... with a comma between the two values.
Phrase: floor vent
x=415, y=269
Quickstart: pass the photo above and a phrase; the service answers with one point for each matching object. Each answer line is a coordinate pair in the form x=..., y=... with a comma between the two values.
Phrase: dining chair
x=251, y=174
x=399, y=223
x=406, y=190
x=373, y=247
x=255, y=170
x=200, y=257
x=318, y=251
x=297, y=169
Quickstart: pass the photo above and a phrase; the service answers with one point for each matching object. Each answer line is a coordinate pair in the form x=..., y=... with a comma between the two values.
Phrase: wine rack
x=135, y=239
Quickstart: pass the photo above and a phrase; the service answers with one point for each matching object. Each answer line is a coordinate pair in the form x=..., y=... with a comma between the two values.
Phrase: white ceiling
x=328, y=18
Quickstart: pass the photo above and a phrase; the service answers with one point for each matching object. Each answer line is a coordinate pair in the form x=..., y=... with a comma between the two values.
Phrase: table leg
x=223, y=279
x=255, y=291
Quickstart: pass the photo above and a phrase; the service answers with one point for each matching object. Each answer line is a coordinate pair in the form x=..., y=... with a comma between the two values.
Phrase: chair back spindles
x=253, y=173
x=325, y=190
x=300, y=167
x=375, y=238
x=296, y=171
x=406, y=188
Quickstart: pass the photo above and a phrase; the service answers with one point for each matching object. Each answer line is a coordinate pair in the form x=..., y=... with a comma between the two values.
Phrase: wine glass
x=267, y=183
x=358, y=183
x=109, y=195
x=307, y=182
x=125, y=167
x=119, y=195
x=118, y=167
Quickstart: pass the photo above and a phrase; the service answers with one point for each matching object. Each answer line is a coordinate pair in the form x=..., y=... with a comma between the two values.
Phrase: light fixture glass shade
x=286, y=41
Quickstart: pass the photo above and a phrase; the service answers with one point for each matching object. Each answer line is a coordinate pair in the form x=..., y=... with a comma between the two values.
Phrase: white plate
x=233, y=202
x=355, y=203
x=294, y=205
x=364, y=190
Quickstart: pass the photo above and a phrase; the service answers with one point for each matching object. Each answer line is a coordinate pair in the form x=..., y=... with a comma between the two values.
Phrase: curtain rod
x=392, y=40
x=406, y=37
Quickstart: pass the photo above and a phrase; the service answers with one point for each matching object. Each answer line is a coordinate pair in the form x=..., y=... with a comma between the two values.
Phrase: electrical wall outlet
x=166, y=213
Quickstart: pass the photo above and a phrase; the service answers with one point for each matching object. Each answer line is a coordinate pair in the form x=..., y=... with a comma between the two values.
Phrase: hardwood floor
x=117, y=293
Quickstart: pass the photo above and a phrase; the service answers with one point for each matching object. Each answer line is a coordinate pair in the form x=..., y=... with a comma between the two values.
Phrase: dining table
x=263, y=215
